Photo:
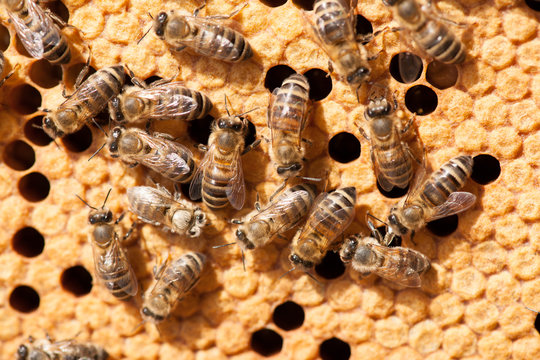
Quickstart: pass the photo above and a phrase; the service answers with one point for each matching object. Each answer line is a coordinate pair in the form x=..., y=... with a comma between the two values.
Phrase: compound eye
x=199, y=218
x=22, y=352
x=162, y=17
x=237, y=127
x=222, y=124
x=108, y=216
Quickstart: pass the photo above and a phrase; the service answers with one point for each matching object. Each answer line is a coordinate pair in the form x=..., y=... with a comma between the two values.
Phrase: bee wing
x=236, y=189
x=410, y=65
x=176, y=104
x=282, y=205
x=457, y=202
x=383, y=182
x=33, y=40
x=150, y=198
x=270, y=120
x=196, y=184
x=165, y=158
x=416, y=183
x=394, y=268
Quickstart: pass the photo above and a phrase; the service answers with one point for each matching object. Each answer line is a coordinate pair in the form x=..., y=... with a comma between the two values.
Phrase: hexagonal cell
x=444, y=226
x=288, y=316
x=320, y=84
x=58, y=8
x=441, y=75
x=5, y=38
x=275, y=76
x=406, y=67
x=28, y=242
x=34, y=187
x=76, y=280
x=199, y=130
x=486, y=169
x=334, y=349
x=363, y=27
x=266, y=342
x=24, y=99
x=18, y=155
x=72, y=72
x=344, y=147
x=421, y=100
x=533, y=4
x=331, y=266
x=79, y=141
x=44, y=74
x=34, y=132
x=24, y=299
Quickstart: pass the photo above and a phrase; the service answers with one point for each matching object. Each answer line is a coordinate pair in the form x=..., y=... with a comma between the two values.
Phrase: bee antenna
x=220, y=246
x=99, y=127
x=376, y=218
x=136, y=328
x=243, y=259
x=106, y=197
x=247, y=112
x=286, y=273
x=313, y=277
x=146, y=33
x=151, y=17
x=87, y=204
x=98, y=150
x=528, y=308
x=226, y=109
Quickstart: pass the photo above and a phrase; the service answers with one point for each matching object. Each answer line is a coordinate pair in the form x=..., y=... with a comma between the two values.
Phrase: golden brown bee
x=157, y=206
x=39, y=35
x=436, y=198
x=287, y=116
x=427, y=32
x=157, y=152
x=220, y=177
x=162, y=100
x=59, y=350
x=329, y=217
x=398, y=264
x=111, y=264
x=202, y=35
x=284, y=212
x=88, y=100
x=391, y=157
x=173, y=282
x=334, y=26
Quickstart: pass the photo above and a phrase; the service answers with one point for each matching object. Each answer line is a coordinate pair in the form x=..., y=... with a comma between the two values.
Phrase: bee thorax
x=181, y=219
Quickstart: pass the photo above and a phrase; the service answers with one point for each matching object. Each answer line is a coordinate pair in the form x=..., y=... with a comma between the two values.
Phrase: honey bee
x=335, y=26
x=39, y=35
x=427, y=32
x=87, y=101
x=110, y=261
x=330, y=215
x=398, y=264
x=287, y=116
x=157, y=152
x=280, y=215
x=436, y=198
x=220, y=178
x=203, y=35
x=391, y=157
x=173, y=282
x=46, y=349
x=162, y=100
x=157, y=206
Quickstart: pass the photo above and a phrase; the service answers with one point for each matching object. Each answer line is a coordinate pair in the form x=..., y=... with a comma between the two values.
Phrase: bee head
x=199, y=221
x=50, y=128
x=298, y=262
x=115, y=111
x=100, y=216
x=235, y=123
x=148, y=314
x=161, y=22
x=243, y=240
x=359, y=76
x=22, y=352
x=395, y=223
x=348, y=249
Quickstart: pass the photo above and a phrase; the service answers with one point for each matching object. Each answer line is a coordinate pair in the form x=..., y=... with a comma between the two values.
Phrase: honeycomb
x=485, y=263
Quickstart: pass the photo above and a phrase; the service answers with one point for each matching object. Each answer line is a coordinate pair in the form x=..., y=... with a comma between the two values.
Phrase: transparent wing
x=236, y=189
x=457, y=202
x=271, y=121
x=395, y=268
x=168, y=101
x=196, y=184
x=410, y=67
x=33, y=40
x=383, y=182
x=165, y=157
x=146, y=197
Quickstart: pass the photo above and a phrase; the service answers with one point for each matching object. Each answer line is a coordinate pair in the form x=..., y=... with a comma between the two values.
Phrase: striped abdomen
x=221, y=42
x=204, y=104
x=216, y=179
x=290, y=105
x=394, y=163
x=333, y=22
x=448, y=179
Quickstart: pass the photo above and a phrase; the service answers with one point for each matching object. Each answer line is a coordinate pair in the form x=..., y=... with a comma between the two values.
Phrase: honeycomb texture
x=472, y=301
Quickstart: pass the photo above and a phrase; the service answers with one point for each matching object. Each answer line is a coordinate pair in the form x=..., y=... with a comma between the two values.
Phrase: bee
x=157, y=152
x=220, y=178
x=280, y=215
x=203, y=35
x=162, y=100
x=330, y=215
x=158, y=207
x=391, y=157
x=398, y=264
x=287, y=116
x=39, y=35
x=428, y=33
x=46, y=349
x=110, y=261
x=436, y=198
x=87, y=101
x=173, y=282
x=335, y=26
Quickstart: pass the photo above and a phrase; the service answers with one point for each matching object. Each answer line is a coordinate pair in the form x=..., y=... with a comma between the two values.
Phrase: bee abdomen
x=204, y=104
x=55, y=47
x=222, y=43
x=185, y=272
x=440, y=43
x=331, y=19
x=121, y=284
x=449, y=178
x=214, y=187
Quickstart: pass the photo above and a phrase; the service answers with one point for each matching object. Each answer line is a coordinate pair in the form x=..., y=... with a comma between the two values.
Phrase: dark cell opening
x=251, y=134
x=304, y=4
x=24, y=99
x=184, y=188
x=363, y=27
x=320, y=84
x=79, y=141
x=486, y=169
x=334, y=349
x=28, y=242
x=71, y=75
x=59, y=9
x=444, y=226
x=20, y=47
x=535, y=5
x=406, y=67
x=24, y=299
x=395, y=193
x=273, y=3
x=4, y=38
x=34, y=133
x=441, y=75
x=76, y=280
x=199, y=129
x=266, y=342
x=275, y=76
x=19, y=156
x=152, y=79
x=331, y=266
x=344, y=147
x=44, y=74
x=537, y=323
x=288, y=316
x=421, y=100
x=34, y=187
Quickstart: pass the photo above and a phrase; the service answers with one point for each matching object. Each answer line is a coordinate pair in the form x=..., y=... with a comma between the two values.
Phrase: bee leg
x=119, y=218
x=197, y=10
x=157, y=270
x=225, y=17
x=280, y=187
x=330, y=68
x=363, y=133
x=180, y=48
x=84, y=70
x=412, y=237
x=408, y=125
x=257, y=203
x=9, y=75
x=251, y=146
x=135, y=80
x=202, y=147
